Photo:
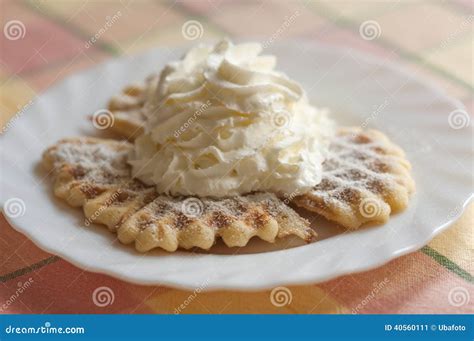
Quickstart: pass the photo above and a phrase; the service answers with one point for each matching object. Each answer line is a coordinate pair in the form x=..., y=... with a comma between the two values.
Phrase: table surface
x=432, y=39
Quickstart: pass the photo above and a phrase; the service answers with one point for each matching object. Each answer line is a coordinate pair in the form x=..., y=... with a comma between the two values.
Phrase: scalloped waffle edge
x=93, y=174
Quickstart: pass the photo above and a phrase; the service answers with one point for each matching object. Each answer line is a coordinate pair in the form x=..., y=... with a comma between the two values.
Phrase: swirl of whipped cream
x=222, y=122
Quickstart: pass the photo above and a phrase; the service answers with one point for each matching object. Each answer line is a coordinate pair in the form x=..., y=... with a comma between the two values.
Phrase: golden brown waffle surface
x=127, y=106
x=93, y=173
x=365, y=178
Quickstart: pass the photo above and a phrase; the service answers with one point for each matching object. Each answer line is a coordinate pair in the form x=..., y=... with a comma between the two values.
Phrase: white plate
x=358, y=89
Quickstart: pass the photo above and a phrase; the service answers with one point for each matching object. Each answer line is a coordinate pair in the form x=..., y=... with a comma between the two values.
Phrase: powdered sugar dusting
x=358, y=165
x=228, y=208
x=98, y=162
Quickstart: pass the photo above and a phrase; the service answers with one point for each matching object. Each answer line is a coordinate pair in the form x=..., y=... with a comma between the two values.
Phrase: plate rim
x=248, y=288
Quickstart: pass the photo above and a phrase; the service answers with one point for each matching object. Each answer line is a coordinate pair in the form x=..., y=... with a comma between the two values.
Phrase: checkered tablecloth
x=43, y=42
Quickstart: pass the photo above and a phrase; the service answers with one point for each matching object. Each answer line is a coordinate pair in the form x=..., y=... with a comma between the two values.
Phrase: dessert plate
x=434, y=130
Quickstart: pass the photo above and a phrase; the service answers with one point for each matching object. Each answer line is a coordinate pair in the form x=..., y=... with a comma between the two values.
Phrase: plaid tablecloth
x=42, y=42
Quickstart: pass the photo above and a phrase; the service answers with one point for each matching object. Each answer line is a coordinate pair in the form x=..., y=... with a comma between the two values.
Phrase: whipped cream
x=222, y=122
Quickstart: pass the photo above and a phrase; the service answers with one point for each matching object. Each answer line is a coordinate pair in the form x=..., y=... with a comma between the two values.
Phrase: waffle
x=93, y=174
x=365, y=179
x=126, y=109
